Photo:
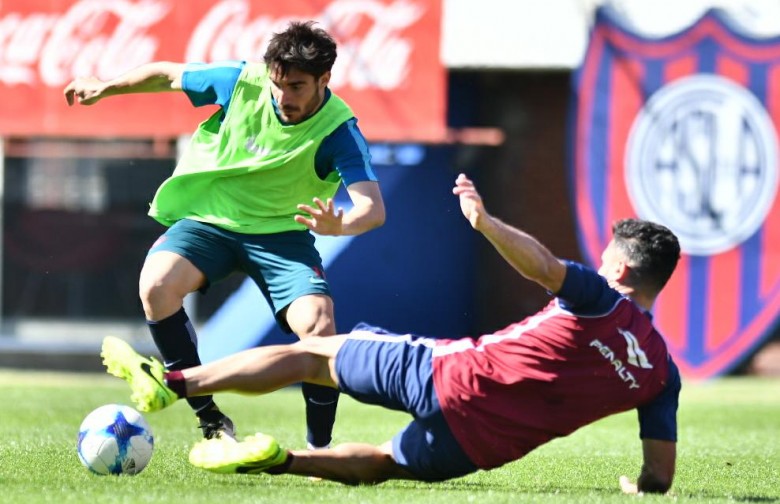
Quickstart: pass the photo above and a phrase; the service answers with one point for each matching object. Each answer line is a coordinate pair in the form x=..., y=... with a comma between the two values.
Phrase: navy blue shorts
x=285, y=266
x=395, y=371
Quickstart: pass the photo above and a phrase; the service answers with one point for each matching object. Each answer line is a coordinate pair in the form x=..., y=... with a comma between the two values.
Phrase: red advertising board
x=388, y=68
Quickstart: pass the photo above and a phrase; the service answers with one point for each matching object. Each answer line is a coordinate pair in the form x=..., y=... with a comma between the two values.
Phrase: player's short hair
x=652, y=251
x=303, y=47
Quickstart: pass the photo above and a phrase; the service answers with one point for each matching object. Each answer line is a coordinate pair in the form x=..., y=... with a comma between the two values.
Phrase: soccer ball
x=115, y=439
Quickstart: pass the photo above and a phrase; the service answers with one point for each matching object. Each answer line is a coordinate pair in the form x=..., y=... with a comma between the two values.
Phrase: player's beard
x=295, y=115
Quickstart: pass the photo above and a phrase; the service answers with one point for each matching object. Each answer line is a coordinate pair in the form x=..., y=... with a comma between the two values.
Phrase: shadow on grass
x=732, y=498
x=457, y=485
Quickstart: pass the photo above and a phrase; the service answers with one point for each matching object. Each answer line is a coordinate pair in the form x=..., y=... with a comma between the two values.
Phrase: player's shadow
x=735, y=498
x=465, y=485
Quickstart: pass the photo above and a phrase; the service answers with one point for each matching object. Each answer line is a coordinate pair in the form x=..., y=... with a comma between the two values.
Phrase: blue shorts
x=395, y=371
x=285, y=266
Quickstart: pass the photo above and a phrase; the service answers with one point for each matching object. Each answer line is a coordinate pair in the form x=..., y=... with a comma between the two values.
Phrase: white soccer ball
x=115, y=439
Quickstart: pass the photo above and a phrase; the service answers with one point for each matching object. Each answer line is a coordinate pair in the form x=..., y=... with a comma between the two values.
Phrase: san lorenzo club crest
x=701, y=158
x=682, y=130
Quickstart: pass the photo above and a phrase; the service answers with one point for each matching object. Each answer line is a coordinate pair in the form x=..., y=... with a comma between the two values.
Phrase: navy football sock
x=321, y=403
x=283, y=467
x=176, y=340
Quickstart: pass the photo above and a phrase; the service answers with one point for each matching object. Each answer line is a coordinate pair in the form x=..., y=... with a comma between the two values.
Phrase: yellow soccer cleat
x=254, y=455
x=144, y=375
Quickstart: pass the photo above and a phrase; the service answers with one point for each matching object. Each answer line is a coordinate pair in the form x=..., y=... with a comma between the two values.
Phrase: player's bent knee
x=322, y=346
x=311, y=316
x=312, y=326
x=314, y=364
x=159, y=299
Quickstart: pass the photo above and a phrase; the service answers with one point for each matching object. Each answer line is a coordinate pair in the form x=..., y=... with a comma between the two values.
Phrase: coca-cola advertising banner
x=388, y=68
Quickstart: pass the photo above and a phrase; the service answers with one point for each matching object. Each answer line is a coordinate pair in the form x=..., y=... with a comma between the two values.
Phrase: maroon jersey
x=589, y=354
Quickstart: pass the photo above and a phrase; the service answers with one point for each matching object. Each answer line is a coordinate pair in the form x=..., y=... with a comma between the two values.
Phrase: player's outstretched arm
x=521, y=250
x=657, y=468
x=152, y=77
x=368, y=208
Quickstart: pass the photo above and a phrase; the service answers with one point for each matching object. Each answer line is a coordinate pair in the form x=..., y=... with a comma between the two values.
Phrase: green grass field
x=729, y=451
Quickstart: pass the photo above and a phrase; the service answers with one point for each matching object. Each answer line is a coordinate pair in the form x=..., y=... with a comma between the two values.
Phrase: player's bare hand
x=84, y=90
x=627, y=486
x=324, y=218
x=470, y=200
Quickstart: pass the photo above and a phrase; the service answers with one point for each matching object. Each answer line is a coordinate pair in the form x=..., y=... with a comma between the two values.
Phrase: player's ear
x=324, y=80
x=622, y=271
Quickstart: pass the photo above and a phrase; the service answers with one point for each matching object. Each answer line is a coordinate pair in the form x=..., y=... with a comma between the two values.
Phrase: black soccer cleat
x=220, y=428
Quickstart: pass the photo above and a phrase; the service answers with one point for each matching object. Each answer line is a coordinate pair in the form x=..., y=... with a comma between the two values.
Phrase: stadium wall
x=512, y=74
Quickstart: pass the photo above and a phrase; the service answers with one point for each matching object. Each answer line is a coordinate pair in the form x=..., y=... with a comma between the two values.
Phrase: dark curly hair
x=303, y=47
x=652, y=251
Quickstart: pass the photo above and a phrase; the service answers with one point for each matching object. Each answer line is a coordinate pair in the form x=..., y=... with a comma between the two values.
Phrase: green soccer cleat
x=253, y=455
x=145, y=376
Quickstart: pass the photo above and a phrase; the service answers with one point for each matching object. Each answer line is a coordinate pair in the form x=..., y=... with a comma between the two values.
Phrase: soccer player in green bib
x=257, y=178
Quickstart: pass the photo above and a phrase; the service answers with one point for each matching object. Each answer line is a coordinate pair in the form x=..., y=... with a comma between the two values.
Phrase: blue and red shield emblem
x=682, y=130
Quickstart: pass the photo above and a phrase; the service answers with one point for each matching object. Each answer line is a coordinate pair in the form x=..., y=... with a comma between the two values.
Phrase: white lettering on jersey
x=620, y=369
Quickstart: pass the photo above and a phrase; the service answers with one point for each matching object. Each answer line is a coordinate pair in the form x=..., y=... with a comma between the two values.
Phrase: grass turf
x=729, y=450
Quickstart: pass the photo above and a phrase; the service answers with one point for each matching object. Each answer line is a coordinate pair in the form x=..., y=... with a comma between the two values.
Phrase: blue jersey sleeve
x=658, y=419
x=585, y=292
x=345, y=151
x=211, y=83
